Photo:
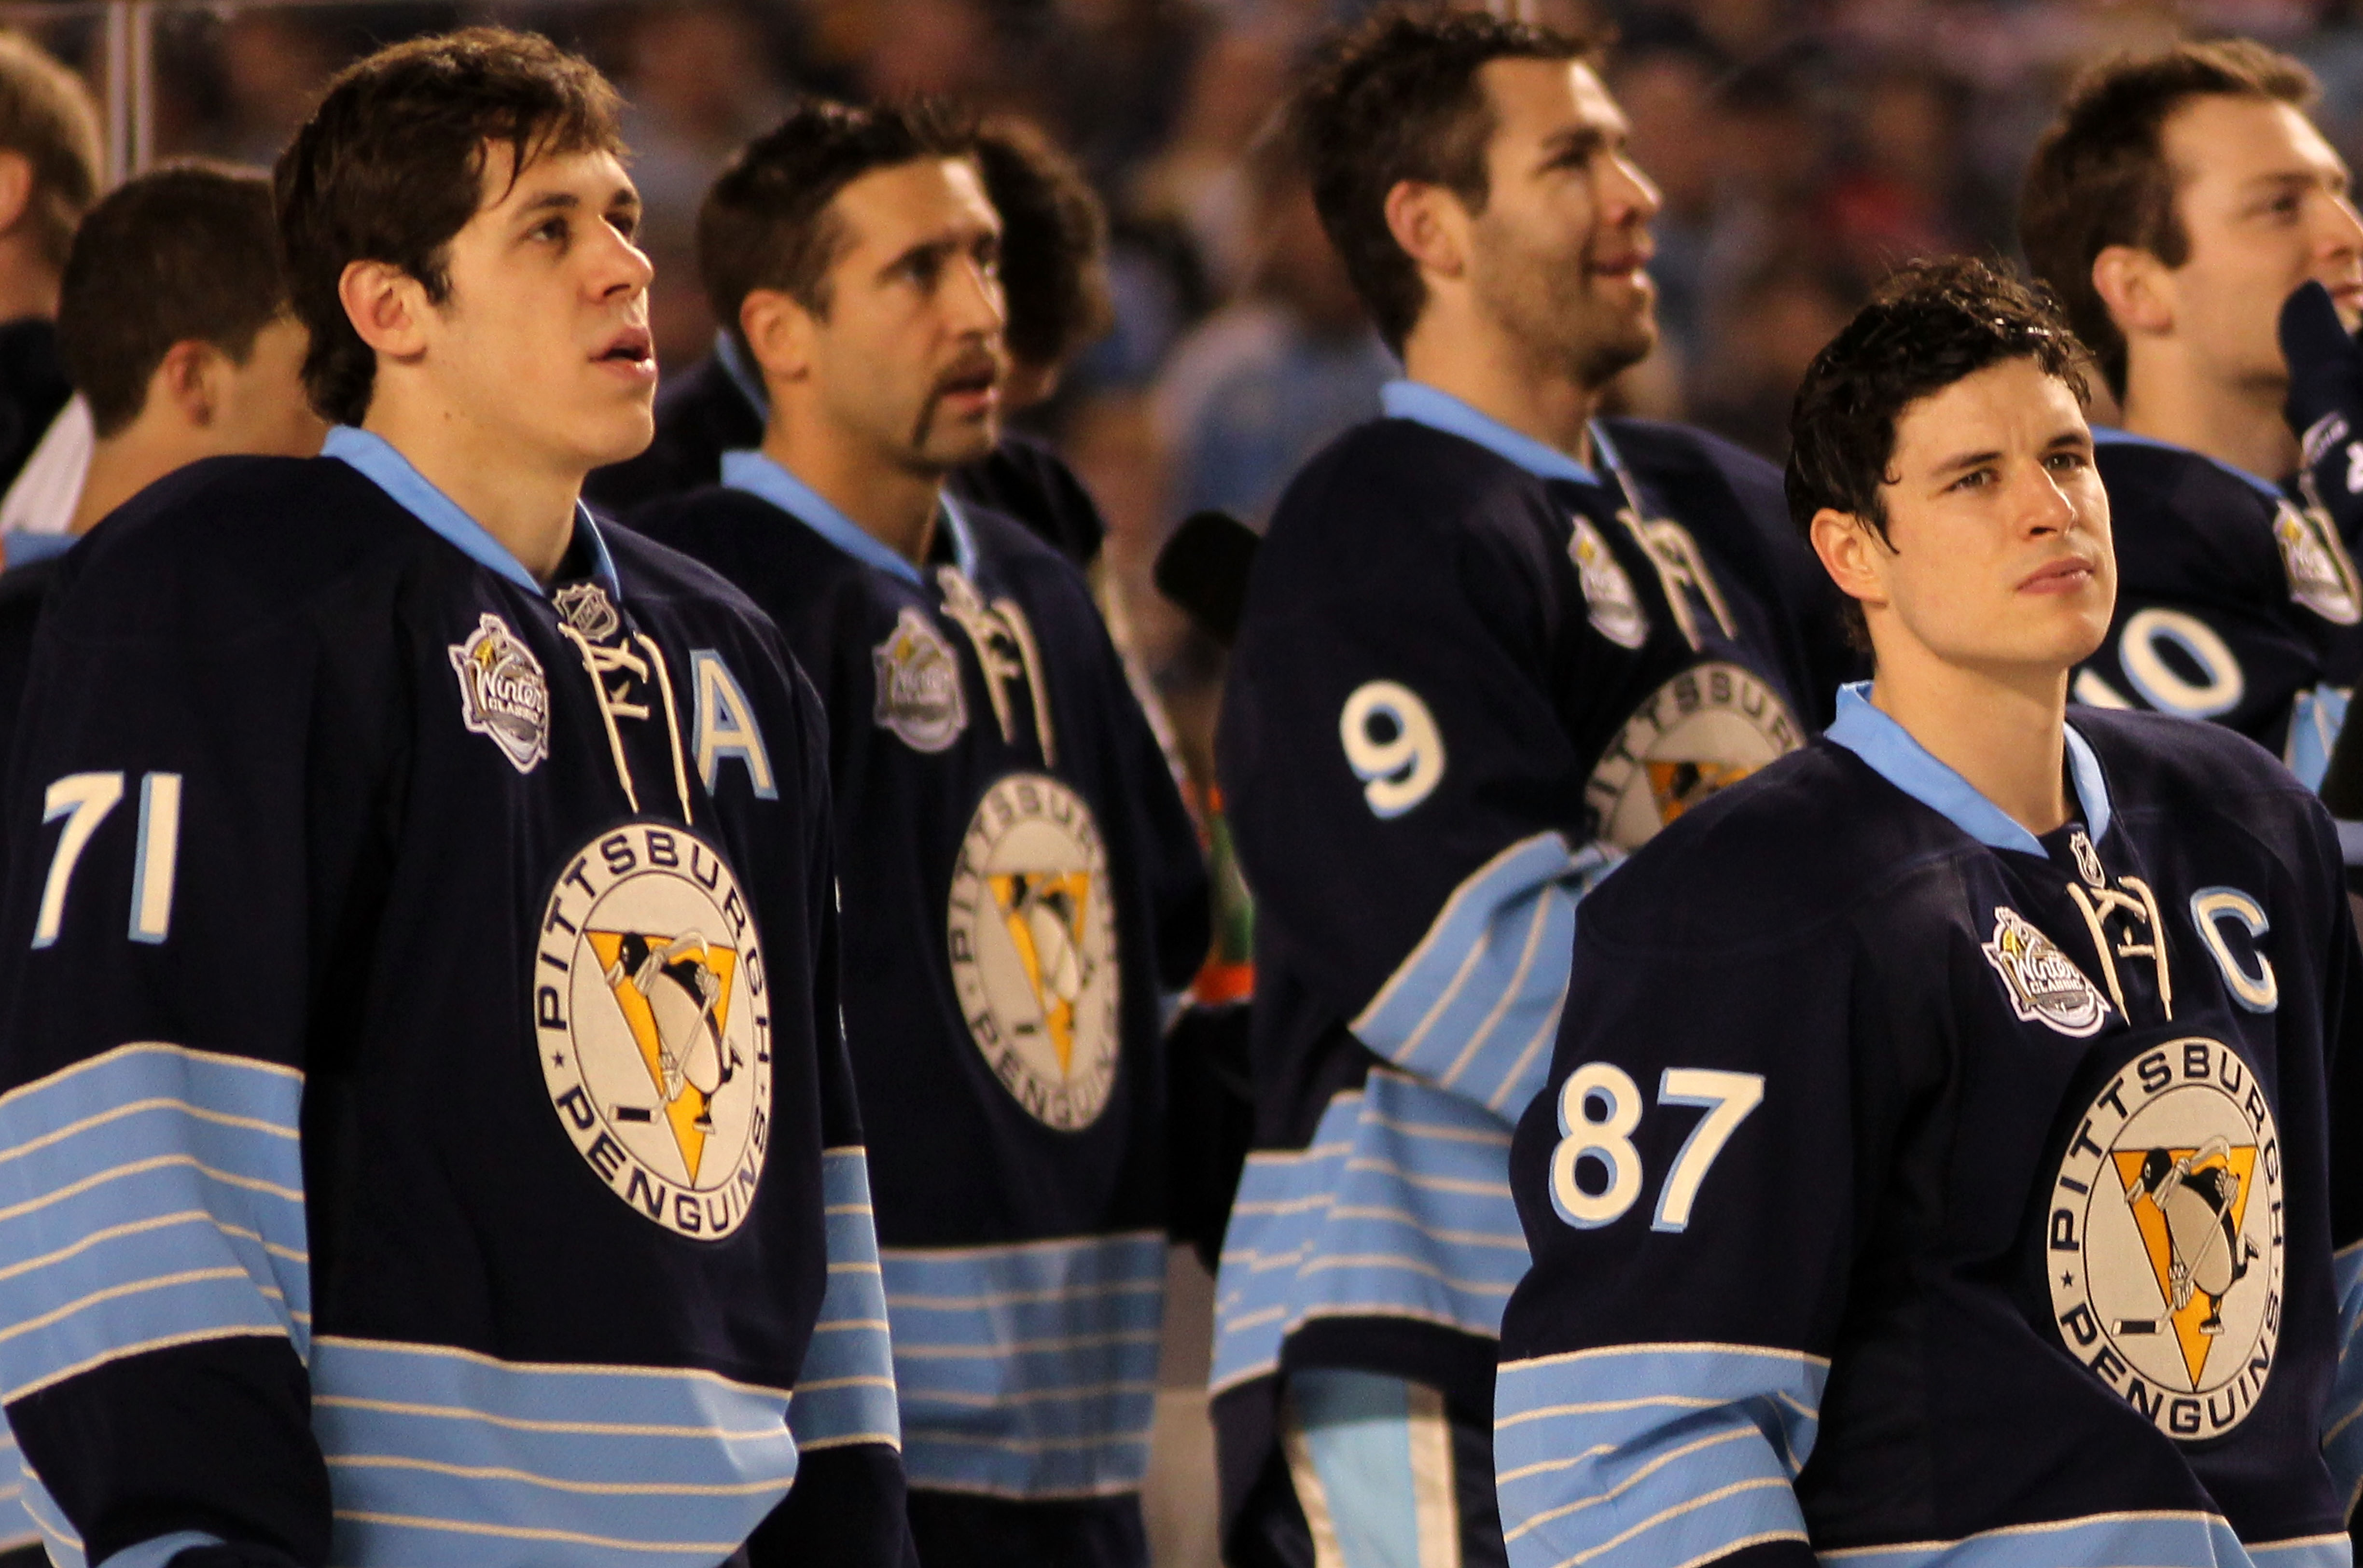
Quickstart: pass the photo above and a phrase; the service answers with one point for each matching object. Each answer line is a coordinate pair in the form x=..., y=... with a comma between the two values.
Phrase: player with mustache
x=1020, y=882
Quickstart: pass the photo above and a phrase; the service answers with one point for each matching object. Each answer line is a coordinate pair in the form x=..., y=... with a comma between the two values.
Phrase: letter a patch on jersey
x=2043, y=985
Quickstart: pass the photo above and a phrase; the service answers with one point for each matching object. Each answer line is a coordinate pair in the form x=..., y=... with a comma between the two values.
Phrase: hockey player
x=1054, y=279
x=1489, y=646
x=1020, y=883
x=2172, y=206
x=1946, y=1162
x=368, y=1193
x=49, y=175
x=175, y=324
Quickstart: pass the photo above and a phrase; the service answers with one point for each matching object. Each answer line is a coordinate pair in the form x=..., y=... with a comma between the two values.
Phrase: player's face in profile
x=262, y=410
x=544, y=336
x=1562, y=248
x=908, y=356
x=2263, y=200
x=2000, y=527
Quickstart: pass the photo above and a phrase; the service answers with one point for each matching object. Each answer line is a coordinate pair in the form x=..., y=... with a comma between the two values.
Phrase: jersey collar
x=768, y=479
x=2110, y=436
x=378, y=461
x=1425, y=405
x=1902, y=762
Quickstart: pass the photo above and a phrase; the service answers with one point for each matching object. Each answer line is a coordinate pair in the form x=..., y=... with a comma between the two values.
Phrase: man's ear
x=2135, y=286
x=1432, y=227
x=16, y=187
x=189, y=379
x=387, y=306
x=781, y=334
x=1854, y=555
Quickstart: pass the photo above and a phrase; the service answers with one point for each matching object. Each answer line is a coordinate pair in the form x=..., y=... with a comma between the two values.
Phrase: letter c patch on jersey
x=727, y=727
x=2251, y=982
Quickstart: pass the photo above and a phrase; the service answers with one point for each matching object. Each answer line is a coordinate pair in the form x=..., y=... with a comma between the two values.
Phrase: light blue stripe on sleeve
x=2342, y=1413
x=1646, y=1454
x=149, y=1196
x=159, y=1550
x=58, y=1537
x=16, y=1526
x=1399, y=1208
x=1476, y=1005
x=444, y=1456
x=2316, y=719
x=2153, y=1540
x=1028, y=1370
x=845, y=1393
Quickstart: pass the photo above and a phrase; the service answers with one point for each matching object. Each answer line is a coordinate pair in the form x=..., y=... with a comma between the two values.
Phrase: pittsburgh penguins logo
x=2165, y=1241
x=1032, y=948
x=652, y=1020
x=1704, y=730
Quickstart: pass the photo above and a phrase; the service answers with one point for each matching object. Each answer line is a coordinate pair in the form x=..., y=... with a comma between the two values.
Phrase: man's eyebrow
x=1966, y=461
x=549, y=201
x=1576, y=144
x=2070, y=437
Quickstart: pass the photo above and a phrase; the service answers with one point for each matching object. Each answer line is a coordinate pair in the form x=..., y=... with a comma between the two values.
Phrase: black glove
x=2325, y=406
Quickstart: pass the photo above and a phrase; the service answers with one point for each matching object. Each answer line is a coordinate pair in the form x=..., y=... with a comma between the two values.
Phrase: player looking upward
x=1953, y=1159
x=1490, y=645
x=2172, y=206
x=1021, y=884
x=429, y=1138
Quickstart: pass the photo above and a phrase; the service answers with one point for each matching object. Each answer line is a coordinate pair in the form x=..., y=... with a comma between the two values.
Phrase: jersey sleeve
x=1408, y=805
x=169, y=838
x=1663, y=1364
x=847, y=1508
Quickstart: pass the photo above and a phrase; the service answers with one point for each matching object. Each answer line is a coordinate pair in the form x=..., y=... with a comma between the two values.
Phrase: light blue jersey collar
x=1902, y=762
x=761, y=477
x=1440, y=410
x=742, y=374
x=392, y=473
x=2110, y=436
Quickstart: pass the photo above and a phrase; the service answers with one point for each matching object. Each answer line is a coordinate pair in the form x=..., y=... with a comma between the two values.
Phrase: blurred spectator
x=274, y=64
x=49, y=177
x=1265, y=382
x=1665, y=81
x=1899, y=196
x=1769, y=332
x=1201, y=180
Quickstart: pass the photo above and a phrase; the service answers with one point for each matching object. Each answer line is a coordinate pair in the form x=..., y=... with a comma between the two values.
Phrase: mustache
x=978, y=366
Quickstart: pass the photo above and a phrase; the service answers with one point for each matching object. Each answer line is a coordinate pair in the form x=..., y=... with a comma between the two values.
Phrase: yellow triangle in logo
x=1044, y=912
x=684, y=1111
x=2158, y=1239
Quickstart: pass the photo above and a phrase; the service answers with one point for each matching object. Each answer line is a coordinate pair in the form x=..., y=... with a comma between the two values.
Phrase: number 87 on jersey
x=1600, y=1107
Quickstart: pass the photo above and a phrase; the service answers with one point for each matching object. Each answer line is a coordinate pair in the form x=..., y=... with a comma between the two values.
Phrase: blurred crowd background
x=1803, y=148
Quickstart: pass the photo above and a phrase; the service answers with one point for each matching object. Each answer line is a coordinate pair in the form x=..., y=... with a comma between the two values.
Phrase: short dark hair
x=2100, y=176
x=47, y=117
x=1930, y=324
x=391, y=166
x=1397, y=98
x=187, y=251
x=767, y=224
x=1053, y=242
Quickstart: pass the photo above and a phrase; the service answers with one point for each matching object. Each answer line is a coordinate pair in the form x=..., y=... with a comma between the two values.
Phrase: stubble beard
x=1546, y=308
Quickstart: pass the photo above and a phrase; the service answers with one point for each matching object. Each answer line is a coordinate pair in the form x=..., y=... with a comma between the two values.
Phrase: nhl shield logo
x=1033, y=949
x=587, y=607
x=1704, y=730
x=918, y=679
x=2321, y=573
x=503, y=693
x=1616, y=612
x=2164, y=1240
x=653, y=1025
x=2044, y=986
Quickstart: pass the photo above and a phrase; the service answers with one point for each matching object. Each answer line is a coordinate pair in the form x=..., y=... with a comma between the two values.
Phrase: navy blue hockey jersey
x=2236, y=602
x=427, y=1135
x=1471, y=674
x=1910, y=1188
x=1021, y=884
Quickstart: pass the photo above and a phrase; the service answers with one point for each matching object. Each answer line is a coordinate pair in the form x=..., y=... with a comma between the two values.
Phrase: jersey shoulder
x=1779, y=860
x=1394, y=494
x=2187, y=770
x=1027, y=481
x=2156, y=492
x=752, y=543
x=228, y=545
x=647, y=568
x=1652, y=448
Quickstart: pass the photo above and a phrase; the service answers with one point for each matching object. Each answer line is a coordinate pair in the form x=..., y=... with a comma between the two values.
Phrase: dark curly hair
x=1053, y=243
x=1397, y=98
x=2100, y=175
x=767, y=223
x=1931, y=325
x=391, y=166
